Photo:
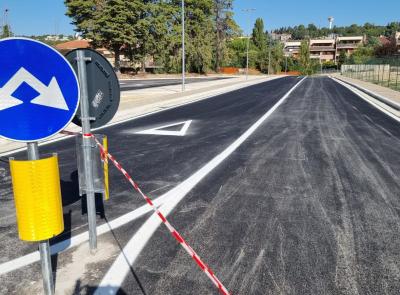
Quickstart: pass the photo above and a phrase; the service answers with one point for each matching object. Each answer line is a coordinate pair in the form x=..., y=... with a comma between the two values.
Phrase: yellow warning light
x=37, y=195
x=105, y=163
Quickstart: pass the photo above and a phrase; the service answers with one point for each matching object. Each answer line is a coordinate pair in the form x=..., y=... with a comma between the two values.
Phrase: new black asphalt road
x=307, y=205
x=135, y=84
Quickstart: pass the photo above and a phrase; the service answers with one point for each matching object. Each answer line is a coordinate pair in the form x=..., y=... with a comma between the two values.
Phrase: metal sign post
x=44, y=246
x=29, y=119
x=183, y=47
x=87, y=149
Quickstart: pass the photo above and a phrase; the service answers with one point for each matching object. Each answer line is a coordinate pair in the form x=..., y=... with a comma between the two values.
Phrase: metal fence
x=385, y=72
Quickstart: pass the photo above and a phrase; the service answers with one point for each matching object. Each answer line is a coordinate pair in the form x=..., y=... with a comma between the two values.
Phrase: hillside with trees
x=301, y=32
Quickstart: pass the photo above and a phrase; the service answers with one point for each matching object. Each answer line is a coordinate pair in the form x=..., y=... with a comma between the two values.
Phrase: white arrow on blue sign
x=39, y=91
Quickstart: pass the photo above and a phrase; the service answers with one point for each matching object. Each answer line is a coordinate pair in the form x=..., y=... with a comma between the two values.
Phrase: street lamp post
x=248, y=10
x=183, y=46
x=269, y=55
x=286, y=64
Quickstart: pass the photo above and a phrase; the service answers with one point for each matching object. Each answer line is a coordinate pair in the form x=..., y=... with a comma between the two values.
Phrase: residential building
x=397, y=37
x=125, y=62
x=322, y=49
x=292, y=48
x=348, y=44
x=65, y=47
x=327, y=49
x=56, y=38
x=281, y=37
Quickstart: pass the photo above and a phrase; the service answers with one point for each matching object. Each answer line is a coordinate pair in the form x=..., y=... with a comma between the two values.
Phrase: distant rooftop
x=73, y=45
x=349, y=38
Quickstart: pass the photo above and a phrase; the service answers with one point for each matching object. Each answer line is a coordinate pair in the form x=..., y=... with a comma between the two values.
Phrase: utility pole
x=183, y=46
x=6, y=26
x=269, y=55
x=320, y=64
x=286, y=63
x=248, y=10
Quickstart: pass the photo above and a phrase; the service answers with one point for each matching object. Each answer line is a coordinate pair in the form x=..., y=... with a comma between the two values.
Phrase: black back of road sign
x=103, y=88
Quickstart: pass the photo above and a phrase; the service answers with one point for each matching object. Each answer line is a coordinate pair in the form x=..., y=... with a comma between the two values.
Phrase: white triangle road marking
x=159, y=131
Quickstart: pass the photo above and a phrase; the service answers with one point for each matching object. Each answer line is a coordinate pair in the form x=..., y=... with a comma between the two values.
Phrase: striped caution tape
x=171, y=229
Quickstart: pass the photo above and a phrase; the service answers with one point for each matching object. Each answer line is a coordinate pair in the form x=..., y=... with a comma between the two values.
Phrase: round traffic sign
x=103, y=88
x=39, y=91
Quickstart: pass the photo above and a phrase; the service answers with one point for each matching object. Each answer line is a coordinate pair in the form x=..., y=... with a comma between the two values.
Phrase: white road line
x=121, y=266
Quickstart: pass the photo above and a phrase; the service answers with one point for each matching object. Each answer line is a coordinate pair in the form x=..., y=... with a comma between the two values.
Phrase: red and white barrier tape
x=171, y=229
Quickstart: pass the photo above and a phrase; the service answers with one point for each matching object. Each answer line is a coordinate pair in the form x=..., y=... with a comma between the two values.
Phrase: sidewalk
x=139, y=102
x=380, y=90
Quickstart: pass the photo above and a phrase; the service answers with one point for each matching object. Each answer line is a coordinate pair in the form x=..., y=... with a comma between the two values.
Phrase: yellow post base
x=37, y=195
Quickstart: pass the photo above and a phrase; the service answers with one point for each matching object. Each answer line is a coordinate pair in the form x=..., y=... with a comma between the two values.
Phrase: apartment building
x=322, y=49
x=292, y=48
x=327, y=49
x=348, y=44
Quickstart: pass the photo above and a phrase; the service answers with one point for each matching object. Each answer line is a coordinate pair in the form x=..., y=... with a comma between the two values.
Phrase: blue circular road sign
x=39, y=91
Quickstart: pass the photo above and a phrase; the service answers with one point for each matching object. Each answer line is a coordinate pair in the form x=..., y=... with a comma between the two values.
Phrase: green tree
x=113, y=24
x=199, y=36
x=313, y=31
x=154, y=33
x=361, y=55
x=259, y=37
x=299, y=32
x=225, y=28
x=392, y=28
x=342, y=57
x=304, y=58
x=277, y=58
x=6, y=32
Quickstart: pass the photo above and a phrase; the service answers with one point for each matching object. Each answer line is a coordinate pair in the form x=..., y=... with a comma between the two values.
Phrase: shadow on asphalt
x=79, y=289
x=127, y=261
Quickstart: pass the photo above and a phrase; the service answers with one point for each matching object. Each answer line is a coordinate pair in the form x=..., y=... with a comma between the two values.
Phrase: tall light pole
x=269, y=54
x=5, y=23
x=286, y=63
x=248, y=10
x=183, y=46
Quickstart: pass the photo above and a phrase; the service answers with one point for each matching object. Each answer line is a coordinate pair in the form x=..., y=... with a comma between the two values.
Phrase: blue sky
x=29, y=17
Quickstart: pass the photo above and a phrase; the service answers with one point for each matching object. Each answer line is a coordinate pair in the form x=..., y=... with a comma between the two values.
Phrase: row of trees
x=369, y=30
x=142, y=28
x=264, y=54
